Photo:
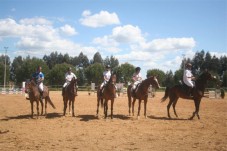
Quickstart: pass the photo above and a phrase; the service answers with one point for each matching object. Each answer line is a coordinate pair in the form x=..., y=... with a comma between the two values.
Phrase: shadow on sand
x=165, y=118
x=28, y=116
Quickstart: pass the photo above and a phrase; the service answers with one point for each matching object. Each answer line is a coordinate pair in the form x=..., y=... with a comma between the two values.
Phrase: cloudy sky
x=147, y=33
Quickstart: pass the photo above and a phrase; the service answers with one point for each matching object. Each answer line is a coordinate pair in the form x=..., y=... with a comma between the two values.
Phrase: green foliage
x=57, y=73
x=94, y=73
x=124, y=73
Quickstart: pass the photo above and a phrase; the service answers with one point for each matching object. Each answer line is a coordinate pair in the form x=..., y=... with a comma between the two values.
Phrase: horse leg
x=32, y=112
x=70, y=106
x=106, y=108
x=65, y=105
x=197, y=104
x=45, y=106
x=145, y=108
x=112, y=103
x=41, y=101
x=174, y=104
x=133, y=104
x=129, y=105
x=139, y=104
x=73, y=113
x=168, y=106
x=37, y=108
x=97, y=111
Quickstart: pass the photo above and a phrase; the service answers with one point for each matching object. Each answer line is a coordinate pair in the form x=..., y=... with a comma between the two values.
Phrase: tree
x=94, y=73
x=169, y=79
x=97, y=58
x=124, y=73
x=28, y=67
x=178, y=76
x=57, y=73
x=83, y=60
x=112, y=61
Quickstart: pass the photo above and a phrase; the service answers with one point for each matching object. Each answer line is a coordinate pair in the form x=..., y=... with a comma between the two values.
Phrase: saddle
x=188, y=90
x=133, y=91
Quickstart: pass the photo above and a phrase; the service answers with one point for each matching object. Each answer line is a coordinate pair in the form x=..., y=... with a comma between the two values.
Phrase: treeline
x=55, y=65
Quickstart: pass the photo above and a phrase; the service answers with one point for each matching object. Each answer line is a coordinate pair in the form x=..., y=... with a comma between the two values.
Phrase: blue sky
x=146, y=33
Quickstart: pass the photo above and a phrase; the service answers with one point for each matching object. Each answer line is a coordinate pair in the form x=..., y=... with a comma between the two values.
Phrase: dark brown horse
x=141, y=93
x=34, y=96
x=109, y=93
x=69, y=94
x=177, y=91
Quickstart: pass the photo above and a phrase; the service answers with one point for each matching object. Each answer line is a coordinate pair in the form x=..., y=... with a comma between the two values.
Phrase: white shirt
x=107, y=75
x=187, y=78
x=69, y=76
x=137, y=77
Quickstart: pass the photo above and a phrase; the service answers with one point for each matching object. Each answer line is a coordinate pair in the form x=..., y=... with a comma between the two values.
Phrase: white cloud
x=35, y=21
x=103, y=18
x=68, y=30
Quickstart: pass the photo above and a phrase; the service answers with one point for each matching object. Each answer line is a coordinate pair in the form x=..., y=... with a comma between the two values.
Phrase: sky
x=152, y=34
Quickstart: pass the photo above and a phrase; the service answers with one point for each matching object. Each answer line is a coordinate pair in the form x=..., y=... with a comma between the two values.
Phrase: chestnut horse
x=141, y=93
x=178, y=91
x=69, y=94
x=34, y=96
x=109, y=92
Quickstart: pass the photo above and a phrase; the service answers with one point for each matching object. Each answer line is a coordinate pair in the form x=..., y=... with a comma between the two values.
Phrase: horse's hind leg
x=37, y=108
x=97, y=111
x=133, y=104
x=70, y=106
x=106, y=108
x=174, y=105
x=168, y=106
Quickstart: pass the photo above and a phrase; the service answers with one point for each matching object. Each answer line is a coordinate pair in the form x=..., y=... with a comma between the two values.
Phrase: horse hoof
x=145, y=117
x=138, y=117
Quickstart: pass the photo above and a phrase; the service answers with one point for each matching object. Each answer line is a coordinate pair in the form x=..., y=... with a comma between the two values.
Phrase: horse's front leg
x=70, y=106
x=112, y=103
x=139, y=106
x=133, y=104
x=65, y=105
x=97, y=111
x=37, y=108
x=106, y=108
x=197, y=104
x=145, y=108
x=41, y=101
x=73, y=113
x=129, y=105
x=45, y=106
x=32, y=112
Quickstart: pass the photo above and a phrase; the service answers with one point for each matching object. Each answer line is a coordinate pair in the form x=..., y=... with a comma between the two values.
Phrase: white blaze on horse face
x=157, y=82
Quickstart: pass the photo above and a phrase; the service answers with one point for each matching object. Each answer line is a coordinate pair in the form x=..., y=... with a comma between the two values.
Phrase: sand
x=87, y=132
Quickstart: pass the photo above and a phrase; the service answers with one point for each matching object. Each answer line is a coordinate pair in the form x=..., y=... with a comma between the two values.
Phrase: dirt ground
x=87, y=132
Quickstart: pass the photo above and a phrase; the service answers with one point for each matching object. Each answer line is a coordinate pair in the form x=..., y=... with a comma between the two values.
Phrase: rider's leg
x=41, y=90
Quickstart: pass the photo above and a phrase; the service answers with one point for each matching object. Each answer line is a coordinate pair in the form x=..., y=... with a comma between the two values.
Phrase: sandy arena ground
x=87, y=132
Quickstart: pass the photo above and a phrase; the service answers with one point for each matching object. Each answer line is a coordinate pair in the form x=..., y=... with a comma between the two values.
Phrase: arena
x=87, y=132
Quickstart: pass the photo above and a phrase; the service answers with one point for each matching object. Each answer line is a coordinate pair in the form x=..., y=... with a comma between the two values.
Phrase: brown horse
x=177, y=91
x=141, y=93
x=69, y=94
x=34, y=96
x=109, y=93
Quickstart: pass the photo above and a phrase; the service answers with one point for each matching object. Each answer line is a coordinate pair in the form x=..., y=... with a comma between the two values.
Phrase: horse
x=69, y=94
x=34, y=96
x=177, y=91
x=109, y=92
x=141, y=93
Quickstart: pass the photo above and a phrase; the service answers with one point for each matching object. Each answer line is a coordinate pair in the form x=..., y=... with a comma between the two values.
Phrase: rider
x=68, y=77
x=136, y=78
x=38, y=76
x=188, y=77
x=106, y=77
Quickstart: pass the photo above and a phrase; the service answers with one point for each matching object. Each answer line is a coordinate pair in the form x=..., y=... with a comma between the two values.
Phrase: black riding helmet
x=108, y=66
x=138, y=69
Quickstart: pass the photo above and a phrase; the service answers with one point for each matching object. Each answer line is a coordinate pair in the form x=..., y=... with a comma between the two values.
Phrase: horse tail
x=166, y=94
x=50, y=102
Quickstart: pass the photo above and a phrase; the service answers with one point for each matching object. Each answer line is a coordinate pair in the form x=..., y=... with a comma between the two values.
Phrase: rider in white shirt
x=188, y=77
x=68, y=77
x=136, y=78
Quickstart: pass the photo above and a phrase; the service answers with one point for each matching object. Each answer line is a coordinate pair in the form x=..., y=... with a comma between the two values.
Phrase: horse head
x=112, y=79
x=154, y=81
